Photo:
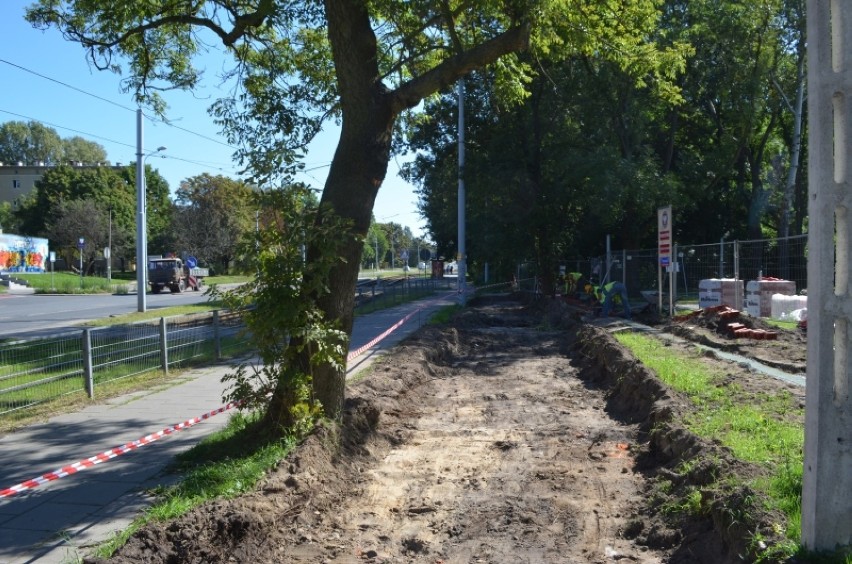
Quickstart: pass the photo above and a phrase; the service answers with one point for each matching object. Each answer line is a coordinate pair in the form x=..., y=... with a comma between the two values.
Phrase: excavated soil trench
x=513, y=434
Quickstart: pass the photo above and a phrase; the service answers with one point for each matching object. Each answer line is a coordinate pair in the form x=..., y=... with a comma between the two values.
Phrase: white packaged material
x=783, y=304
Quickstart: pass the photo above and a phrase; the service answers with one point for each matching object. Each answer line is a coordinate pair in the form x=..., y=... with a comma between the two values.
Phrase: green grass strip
x=761, y=429
x=225, y=464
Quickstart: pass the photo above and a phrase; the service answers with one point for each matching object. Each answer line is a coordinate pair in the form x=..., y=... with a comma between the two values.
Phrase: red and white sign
x=664, y=235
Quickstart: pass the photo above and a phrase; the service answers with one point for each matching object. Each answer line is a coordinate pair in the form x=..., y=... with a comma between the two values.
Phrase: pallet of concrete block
x=759, y=295
x=719, y=291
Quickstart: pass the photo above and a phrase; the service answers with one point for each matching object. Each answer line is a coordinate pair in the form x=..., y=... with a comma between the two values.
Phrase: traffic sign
x=664, y=235
x=191, y=262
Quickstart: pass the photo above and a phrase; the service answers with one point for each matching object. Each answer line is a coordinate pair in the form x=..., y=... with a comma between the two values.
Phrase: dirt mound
x=513, y=434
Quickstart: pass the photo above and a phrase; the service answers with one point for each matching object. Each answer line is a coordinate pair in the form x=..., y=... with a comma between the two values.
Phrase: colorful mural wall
x=22, y=254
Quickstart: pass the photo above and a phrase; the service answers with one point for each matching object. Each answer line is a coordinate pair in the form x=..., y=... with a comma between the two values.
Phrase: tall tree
x=73, y=220
x=8, y=222
x=112, y=191
x=212, y=215
x=364, y=63
x=29, y=143
x=82, y=150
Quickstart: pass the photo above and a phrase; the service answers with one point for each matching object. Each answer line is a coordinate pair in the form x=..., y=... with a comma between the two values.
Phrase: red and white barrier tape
x=356, y=353
x=118, y=451
x=109, y=454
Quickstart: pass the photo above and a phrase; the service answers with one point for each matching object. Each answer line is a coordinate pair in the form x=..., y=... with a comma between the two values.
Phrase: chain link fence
x=782, y=258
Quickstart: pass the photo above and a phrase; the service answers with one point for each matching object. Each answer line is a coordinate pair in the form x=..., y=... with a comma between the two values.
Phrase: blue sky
x=47, y=79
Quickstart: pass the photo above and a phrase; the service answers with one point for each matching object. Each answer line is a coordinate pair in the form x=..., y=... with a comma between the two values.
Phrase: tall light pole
x=108, y=254
x=141, y=217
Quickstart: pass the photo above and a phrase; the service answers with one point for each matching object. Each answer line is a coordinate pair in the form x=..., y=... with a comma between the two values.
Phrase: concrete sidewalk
x=56, y=521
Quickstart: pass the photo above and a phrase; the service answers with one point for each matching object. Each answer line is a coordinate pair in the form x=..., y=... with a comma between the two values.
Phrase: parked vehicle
x=174, y=274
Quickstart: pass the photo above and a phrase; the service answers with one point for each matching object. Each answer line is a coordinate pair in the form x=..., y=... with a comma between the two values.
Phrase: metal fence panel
x=43, y=369
x=39, y=369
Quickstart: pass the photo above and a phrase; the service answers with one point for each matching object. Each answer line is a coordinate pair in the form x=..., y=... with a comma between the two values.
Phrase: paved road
x=33, y=314
x=54, y=522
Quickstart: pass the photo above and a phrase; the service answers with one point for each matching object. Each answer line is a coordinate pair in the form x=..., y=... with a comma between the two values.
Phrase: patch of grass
x=226, y=464
x=767, y=431
x=788, y=325
x=227, y=279
x=445, y=314
x=155, y=314
x=393, y=297
x=67, y=283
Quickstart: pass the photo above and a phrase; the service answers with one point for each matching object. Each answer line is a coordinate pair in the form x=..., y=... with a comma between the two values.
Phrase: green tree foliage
x=29, y=143
x=76, y=219
x=293, y=336
x=158, y=204
x=726, y=134
x=8, y=221
x=212, y=215
x=545, y=180
x=81, y=150
x=32, y=143
x=367, y=64
x=112, y=191
x=375, y=247
x=593, y=151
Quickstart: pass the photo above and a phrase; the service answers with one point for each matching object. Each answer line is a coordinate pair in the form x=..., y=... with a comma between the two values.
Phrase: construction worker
x=609, y=294
x=572, y=284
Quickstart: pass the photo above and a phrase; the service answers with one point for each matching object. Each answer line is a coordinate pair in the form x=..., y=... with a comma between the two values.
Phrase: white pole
x=462, y=256
x=109, y=246
x=141, y=220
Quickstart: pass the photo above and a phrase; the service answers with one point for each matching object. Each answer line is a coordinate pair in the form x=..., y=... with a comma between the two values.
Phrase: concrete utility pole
x=827, y=480
x=461, y=259
x=141, y=219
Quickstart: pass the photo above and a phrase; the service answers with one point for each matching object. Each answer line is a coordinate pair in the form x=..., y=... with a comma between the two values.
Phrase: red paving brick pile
x=729, y=323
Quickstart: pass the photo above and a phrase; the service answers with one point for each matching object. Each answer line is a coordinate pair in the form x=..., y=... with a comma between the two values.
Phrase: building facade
x=18, y=180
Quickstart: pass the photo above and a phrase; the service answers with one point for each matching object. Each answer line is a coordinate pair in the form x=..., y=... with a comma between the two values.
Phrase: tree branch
x=242, y=23
x=412, y=92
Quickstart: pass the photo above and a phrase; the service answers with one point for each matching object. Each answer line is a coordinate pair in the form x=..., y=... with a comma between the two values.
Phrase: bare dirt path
x=485, y=441
x=508, y=457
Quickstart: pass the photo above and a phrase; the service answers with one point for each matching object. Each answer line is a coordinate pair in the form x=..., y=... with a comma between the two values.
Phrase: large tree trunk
x=360, y=162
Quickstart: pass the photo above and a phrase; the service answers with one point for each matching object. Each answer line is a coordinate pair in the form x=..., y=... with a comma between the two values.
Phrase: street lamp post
x=108, y=254
x=141, y=223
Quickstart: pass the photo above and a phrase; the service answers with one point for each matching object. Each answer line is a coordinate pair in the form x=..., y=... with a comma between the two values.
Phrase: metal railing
x=38, y=370
x=377, y=294
x=42, y=369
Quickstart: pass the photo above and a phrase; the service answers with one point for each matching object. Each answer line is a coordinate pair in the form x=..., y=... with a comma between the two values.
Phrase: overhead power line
x=208, y=164
x=11, y=64
x=123, y=107
x=68, y=128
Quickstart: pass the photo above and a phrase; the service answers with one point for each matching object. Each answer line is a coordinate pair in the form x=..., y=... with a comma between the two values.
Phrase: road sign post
x=664, y=251
x=81, y=243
